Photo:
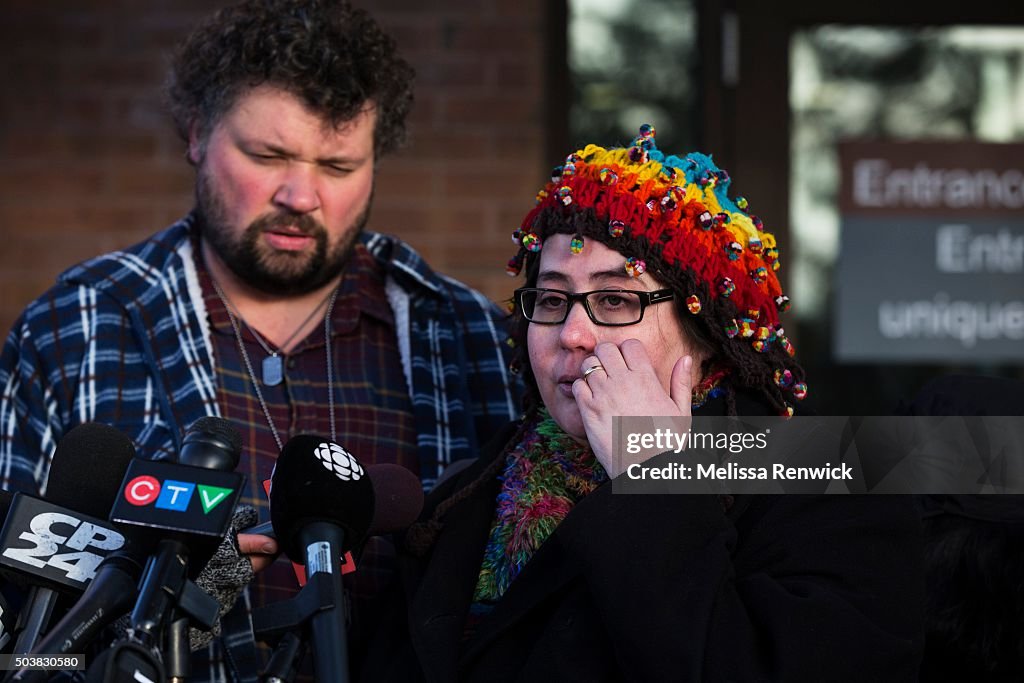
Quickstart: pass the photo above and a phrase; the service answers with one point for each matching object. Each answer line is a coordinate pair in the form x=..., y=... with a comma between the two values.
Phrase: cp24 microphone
x=321, y=505
x=50, y=545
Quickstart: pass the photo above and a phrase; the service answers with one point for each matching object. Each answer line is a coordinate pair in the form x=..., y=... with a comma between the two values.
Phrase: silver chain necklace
x=234, y=317
x=273, y=365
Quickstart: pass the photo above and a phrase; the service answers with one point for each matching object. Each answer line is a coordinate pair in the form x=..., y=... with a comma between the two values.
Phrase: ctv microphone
x=56, y=548
x=193, y=505
x=321, y=505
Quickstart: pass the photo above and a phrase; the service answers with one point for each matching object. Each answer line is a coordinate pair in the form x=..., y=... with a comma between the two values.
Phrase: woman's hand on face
x=626, y=386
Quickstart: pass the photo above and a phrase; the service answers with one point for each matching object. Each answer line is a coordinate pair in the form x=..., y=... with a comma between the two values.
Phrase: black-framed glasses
x=611, y=307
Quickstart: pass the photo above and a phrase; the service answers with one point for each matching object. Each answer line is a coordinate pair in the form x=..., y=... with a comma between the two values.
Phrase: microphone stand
x=165, y=592
x=284, y=663
x=290, y=616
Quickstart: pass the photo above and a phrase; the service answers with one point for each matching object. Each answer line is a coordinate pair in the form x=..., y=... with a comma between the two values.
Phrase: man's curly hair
x=332, y=56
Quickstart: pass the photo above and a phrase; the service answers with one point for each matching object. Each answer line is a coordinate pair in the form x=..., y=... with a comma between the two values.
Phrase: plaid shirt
x=125, y=339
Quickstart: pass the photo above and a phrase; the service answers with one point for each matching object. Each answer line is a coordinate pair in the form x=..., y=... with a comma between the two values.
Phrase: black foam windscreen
x=398, y=497
x=87, y=468
x=213, y=443
x=316, y=480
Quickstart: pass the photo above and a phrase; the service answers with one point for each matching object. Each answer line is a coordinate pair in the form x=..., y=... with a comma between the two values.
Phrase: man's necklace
x=273, y=364
x=273, y=371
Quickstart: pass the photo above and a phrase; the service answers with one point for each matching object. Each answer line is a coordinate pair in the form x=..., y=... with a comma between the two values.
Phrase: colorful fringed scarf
x=545, y=475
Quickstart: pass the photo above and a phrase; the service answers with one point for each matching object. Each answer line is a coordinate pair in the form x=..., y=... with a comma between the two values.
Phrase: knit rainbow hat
x=673, y=216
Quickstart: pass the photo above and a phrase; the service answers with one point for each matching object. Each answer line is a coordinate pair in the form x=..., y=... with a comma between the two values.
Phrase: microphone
x=193, y=501
x=321, y=505
x=398, y=498
x=56, y=549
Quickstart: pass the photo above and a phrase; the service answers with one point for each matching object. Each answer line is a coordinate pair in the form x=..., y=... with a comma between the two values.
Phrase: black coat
x=666, y=588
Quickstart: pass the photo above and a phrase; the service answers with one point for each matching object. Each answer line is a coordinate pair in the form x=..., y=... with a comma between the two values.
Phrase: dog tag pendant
x=272, y=370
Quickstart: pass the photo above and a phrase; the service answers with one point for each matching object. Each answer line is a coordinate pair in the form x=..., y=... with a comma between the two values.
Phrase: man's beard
x=274, y=272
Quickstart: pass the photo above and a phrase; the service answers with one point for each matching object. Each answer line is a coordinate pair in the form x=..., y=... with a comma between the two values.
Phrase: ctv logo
x=173, y=495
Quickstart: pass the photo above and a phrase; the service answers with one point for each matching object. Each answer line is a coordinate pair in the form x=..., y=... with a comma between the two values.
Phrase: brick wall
x=90, y=161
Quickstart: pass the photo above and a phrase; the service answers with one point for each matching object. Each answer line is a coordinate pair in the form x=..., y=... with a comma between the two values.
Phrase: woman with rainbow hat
x=649, y=291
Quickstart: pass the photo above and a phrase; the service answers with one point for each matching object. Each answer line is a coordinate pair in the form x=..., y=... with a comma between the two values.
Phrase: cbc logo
x=172, y=495
x=336, y=459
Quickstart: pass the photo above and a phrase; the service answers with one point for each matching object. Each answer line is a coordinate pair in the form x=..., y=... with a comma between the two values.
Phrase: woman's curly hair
x=332, y=56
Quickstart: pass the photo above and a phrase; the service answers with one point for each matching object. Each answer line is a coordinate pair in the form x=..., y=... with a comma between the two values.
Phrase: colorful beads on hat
x=726, y=287
x=576, y=244
x=556, y=173
x=782, y=302
x=760, y=345
x=565, y=195
x=635, y=266
x=608, y=176
x=670, y=173
x=532, y=242
x=754, y=245
x=800, y=391
x=723, y=175
x=788, y=412
x=707, y=180
x=515, y=265
x=746, y=328
x=758, y=225
x=759, y=275
x=787, y=346
x=741, y=203
x=517, y=237
x=651, y=204
x=616, y=228
x=693, y=304
x=647, y=131
x=672, y=198
x=638, y=155
x=783, y=378
x=569, y=170
x=721, y=220
x=541, y=196
x=732, y=328
x=706, y=220
x=733, y=250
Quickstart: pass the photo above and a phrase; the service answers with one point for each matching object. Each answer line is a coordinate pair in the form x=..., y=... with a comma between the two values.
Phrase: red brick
x=491, y=109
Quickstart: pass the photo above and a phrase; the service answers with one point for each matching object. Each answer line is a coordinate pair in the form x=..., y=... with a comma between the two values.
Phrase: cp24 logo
x=50, y=532
x=173, y=495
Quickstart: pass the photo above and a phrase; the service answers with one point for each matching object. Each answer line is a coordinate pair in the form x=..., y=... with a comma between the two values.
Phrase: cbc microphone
x=50, y=544
x=321, y=505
